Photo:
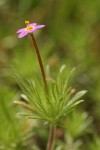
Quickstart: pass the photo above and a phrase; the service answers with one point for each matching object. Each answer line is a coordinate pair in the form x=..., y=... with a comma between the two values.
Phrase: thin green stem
x=51, y=137
x=39, y=60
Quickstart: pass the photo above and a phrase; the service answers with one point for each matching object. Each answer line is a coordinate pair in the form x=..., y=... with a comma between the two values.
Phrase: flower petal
x=32, y=24
x=36, y=28
x=22, y=34
x=40, y=26
x=20, y=30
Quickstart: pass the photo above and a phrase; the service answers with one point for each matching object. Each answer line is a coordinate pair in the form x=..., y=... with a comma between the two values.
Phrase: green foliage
x=77, y=123
x=95, y=144
x=69, y=144
x=12, y=135
x=54, y=104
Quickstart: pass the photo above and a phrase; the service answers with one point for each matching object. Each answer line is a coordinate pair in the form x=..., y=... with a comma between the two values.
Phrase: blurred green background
x=71, y=37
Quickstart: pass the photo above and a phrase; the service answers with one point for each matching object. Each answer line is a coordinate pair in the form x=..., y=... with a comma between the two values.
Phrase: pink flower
x=30, y=27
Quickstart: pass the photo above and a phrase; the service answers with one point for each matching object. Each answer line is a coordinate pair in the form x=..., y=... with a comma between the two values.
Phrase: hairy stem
x=39, y=60
x=51, y=137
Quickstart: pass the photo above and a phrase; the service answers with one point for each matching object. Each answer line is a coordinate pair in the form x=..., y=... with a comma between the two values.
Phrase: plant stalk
x=51, y=137
x=39, y=60
x=52, y=127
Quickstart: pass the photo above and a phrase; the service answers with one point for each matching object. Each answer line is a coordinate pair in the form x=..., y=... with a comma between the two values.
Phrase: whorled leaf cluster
x=53, y=104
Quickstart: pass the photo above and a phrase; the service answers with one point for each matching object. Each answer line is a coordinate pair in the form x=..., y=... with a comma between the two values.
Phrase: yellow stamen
x=27, y=22
x=28, y=28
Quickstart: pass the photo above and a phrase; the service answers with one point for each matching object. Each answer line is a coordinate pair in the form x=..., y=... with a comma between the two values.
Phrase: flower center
x=28, y=28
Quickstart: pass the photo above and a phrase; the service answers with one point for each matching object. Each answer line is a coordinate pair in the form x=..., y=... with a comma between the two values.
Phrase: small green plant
x=53, y=106
x=52, y=101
